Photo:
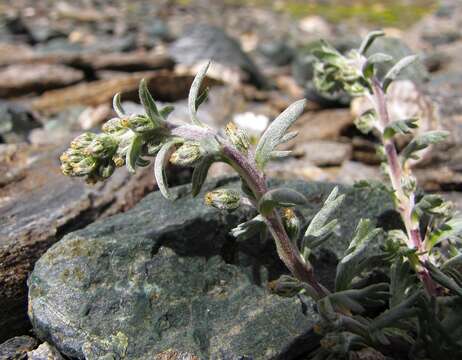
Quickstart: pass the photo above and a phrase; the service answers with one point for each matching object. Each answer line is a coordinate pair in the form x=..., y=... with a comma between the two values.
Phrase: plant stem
x=405, y=203
x=286, y=249
x=255, y=179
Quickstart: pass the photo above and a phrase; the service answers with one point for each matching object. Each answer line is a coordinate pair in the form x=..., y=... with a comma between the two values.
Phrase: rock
x=175, y=355
x=316, y=26
x=164, y=85
x=168, y=275
x=201, y=43
x=93, y=117
x=44, y=352
x=323, y=152
x=322, y=125
x=277, y=52
x=38, y=206
x=17, y=348
x=22, y=79
x=398, y=49
x=133, y=61
x=16, y=122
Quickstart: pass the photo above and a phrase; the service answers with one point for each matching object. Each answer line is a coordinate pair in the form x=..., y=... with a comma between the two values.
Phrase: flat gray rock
x=167, y=275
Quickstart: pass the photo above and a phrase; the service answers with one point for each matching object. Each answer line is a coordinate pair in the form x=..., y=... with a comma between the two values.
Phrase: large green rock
x=168, y=275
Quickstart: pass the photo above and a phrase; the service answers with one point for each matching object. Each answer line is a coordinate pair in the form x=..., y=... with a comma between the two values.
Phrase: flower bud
x=82, y=141
x=291, y=223
x=408, y=184
x=105, y=171
x=238, y=137
x=112, y=126
x=84, y=167
x=119, y=161
x=285, y=286
x=187, y=154
x=223, y=199
x=103, y=146
x=138, y=123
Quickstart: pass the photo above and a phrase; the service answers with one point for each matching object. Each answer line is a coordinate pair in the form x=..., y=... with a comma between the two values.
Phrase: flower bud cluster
x=335, y=72
x=91, y=155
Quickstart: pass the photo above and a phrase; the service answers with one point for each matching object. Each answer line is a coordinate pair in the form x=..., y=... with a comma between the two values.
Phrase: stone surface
x=164, y=85
x=16, y=122
x=168, y=275
x=323, y=152
x=202, y=42
x=16, y=348
x=44, y=352
x=37, y=206
x=22, y=79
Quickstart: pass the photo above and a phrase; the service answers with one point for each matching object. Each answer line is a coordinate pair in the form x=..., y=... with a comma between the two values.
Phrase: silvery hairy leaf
x=394, y=72
x=369, y=39
x=422, y=141
x=431, y=204
x=148, y=103
x=165, y=111
x=193, y=97
x=375, y=295
x=400, y=127
x=392, y=317
x=451, y=229
x=117, y=105
x=280, y=197
x=133, y=153
x=401, y=280
x=274, y=134
x=379, y=58
x=453, y=262
x=444, y=278
x=249, y=228
x=280, y=154
x=200, y=174
x=366, y=121
x=354, y=261
x=161, y=161
x=320, y=228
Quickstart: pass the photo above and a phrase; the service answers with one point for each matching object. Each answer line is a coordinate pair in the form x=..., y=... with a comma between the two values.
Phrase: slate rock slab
x=38, y=205
x=167, y=275
x=202, y=42
x=16, y=348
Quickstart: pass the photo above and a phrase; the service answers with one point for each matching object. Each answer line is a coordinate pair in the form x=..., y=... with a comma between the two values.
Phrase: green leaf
x=165, y=111
x=133, y=153
x=249, y=228
x=392, y=317
x=400, y=127
x=274, y=134
x=200, y=174
x=422, y=141
x=194, y=99
x=281, y=197
x=394, y=72
x=159, y=167
x=375, y=295
x=369, y=39
x=443, y=279
x=401, y=279
x=148, y=102
x=202, y=97
x=354, y=261
x=379, y=58
x=366, y=121
x=319, y=227
x=429, y=204
x=451, y=229
x=117, y=105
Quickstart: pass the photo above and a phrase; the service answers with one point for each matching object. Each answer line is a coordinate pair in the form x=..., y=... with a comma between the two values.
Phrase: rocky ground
x=61, y=63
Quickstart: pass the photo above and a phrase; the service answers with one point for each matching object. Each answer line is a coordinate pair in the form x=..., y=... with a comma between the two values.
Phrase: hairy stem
x=405, y=203
x=286, y=250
